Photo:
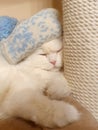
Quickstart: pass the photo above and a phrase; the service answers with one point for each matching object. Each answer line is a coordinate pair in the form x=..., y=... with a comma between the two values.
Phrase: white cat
x=32, y=88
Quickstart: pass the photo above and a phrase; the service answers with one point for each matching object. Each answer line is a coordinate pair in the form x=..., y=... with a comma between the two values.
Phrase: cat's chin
x=54, y=69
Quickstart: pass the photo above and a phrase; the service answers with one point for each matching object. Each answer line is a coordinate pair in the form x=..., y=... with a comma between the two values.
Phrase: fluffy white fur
x=31, y=89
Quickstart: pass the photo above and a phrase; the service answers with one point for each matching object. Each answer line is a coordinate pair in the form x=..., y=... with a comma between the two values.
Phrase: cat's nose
x=53, y=62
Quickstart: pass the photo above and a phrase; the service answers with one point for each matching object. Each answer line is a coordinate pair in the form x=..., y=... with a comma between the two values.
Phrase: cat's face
x=48, y=56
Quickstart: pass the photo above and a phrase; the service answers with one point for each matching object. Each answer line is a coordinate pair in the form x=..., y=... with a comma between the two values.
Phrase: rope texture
x=80, y=24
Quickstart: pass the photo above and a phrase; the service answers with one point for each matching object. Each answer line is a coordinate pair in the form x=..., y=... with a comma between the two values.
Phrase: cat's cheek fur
x=59, y=61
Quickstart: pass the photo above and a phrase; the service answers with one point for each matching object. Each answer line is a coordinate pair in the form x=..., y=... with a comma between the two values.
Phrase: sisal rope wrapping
x=80, y=23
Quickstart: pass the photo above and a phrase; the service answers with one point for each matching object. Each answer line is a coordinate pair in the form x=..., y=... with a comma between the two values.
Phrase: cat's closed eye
x=43, y=54
x=59, y=50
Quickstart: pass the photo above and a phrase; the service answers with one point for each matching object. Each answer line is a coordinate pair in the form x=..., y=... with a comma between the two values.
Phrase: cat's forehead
x=53, y=45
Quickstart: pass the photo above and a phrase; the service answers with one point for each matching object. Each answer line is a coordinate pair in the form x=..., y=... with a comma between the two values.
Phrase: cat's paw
x=64, y=114
x=58, y=87
x=58, y=92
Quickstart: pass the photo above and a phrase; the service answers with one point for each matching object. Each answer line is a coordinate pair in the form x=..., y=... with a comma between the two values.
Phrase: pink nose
x=53, y=62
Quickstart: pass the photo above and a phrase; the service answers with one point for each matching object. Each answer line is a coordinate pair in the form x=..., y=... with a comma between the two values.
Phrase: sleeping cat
x=32, y=88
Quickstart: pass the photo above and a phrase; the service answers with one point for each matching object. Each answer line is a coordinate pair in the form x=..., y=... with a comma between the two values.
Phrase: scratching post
x=80, y=23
